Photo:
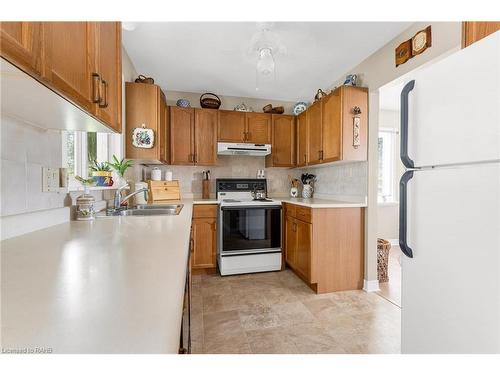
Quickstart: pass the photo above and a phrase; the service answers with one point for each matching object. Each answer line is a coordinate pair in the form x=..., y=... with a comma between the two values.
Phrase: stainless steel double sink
x=148, y=210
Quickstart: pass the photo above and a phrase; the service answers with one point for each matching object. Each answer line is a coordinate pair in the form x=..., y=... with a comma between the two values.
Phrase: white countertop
x=114, y=285
x=321, y=203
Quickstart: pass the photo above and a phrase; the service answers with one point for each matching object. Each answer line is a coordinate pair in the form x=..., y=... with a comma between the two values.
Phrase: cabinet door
x=354, y=97
x=303, y=252
x=332, y=123
x=258, y=129
x=205, y=136
x=109, y=67
x=204, y=235
x=142, y=107
x=20, y=43
x=283, y=150
x=302, y=140
x=314, y=128
x=70, y=61
x=474, y=31
x=231, y=127
x=290, y=241
x=181, y=136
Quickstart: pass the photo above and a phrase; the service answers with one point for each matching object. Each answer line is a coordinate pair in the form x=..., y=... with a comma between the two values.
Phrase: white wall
x=376, y=71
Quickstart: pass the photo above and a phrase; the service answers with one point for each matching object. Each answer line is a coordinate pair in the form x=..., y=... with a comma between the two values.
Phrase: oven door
x=250, y=229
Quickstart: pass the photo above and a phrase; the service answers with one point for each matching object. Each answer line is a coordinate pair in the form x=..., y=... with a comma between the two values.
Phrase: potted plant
x=120, y=166
x=101, y=172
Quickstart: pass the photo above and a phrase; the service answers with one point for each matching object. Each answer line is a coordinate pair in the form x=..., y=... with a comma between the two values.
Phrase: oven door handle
x=229, y=208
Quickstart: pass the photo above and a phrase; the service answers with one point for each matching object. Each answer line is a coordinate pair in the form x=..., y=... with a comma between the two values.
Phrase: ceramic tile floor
x=277, y=313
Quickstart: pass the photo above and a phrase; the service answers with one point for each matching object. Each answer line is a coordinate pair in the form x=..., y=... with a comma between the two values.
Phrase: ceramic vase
x=307, y=191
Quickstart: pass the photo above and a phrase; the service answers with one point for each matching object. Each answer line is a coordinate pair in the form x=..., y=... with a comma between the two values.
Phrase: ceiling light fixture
x=264, y=47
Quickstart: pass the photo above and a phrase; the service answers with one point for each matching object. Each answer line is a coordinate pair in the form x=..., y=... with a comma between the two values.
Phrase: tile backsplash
x=339, y=180
x=24, y=150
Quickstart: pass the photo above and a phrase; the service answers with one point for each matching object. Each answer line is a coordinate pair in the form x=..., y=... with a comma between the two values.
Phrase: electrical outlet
x=50, y=179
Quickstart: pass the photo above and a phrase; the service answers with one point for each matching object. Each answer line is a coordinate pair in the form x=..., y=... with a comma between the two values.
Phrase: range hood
x=249, y=149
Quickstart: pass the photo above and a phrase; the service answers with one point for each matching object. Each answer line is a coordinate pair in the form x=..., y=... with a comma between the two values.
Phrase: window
x=386, y=165
x=80, y=149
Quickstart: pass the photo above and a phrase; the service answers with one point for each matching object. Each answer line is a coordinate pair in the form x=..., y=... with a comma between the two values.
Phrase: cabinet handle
x=103, y=103
x=244, y=136
x=96, y=88
x=196, y=158
x=305, y=158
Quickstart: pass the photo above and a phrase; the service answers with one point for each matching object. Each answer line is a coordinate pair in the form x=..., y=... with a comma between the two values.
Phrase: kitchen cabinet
x=244, y=127
x=193, y=136
x=258, y=128
x=205, y=136
x=325, y=246
x=204, y=235
x=314, y=127
x=336, y=128
x=302, y=140
x=81, y=61
x=474, y=31
x=231, y=126
x=145, y=104
x=70, y=61
x=283, y=151
x=21, y=44
x=109, y=66
x=181, y=136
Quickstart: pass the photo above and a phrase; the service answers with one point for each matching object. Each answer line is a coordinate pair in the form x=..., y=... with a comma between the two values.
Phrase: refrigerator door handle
x=408, y=163
x=403, y=213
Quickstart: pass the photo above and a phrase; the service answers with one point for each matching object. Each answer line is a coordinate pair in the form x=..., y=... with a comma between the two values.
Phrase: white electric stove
x=249, y=234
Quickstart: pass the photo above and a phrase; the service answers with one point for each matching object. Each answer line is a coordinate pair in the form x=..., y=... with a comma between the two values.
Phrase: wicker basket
x=144, y=79
x=383, y=247
x=213, y=103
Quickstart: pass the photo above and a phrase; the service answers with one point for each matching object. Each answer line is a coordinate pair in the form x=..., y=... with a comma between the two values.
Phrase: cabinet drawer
x=204, y=210
x=289, y=210
x=303, y=213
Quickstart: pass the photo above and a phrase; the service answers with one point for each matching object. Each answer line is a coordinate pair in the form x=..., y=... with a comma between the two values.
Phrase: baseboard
x=370, y=286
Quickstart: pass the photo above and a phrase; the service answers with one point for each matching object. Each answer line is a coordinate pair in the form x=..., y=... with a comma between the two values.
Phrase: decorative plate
x=183, y=103
x=299, y=108
x=143, y=137
x=243, y=108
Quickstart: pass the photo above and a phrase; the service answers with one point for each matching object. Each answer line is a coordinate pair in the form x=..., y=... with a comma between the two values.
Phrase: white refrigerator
x=449, y=226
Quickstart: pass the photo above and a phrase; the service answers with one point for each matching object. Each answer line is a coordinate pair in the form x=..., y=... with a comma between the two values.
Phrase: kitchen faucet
x=118, y=201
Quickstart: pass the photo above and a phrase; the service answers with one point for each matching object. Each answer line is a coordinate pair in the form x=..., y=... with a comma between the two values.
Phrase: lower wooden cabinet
x=204, y=236
x=325, y=246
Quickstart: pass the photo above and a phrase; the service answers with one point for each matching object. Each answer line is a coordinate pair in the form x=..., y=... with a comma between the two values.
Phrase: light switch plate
x=50, y=179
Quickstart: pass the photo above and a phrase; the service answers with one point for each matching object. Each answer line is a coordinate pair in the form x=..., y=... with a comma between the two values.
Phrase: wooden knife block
x=163, y=191
x=205, y=192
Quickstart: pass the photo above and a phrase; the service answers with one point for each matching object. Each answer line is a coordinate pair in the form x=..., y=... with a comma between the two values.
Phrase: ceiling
x=214, y=57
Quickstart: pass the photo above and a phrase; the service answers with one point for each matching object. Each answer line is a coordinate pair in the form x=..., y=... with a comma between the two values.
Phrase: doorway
x=390, y=170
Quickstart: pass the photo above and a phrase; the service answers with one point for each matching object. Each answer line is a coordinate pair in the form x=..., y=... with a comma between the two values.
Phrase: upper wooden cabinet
x=70, y=61
x=315, y=136
x=21, y=44
x=474, y=31
x=109, y=66
x=258, y=127
x=145, y=105
x=302, y=140
x=244, y=127
x=231, y=127
x=205, y=136
x=81, y=61
x=181, y=136
x=283, y=151
x=334, y=128
x=193, y=136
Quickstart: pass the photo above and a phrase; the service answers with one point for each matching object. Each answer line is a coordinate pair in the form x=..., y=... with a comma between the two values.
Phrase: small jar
x=85, y=206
